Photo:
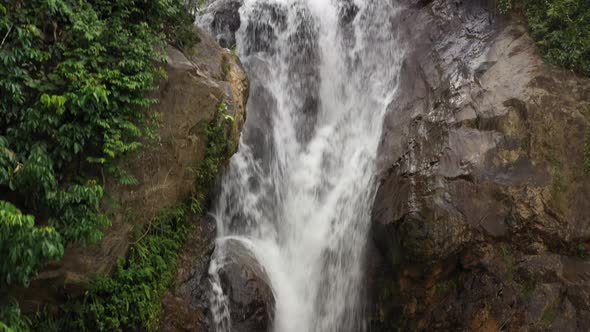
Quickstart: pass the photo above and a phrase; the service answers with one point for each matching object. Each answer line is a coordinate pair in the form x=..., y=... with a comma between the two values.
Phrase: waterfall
x=300, y=189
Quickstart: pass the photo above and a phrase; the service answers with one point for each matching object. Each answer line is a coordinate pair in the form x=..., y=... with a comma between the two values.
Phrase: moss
x=444, y=287
x=508, y=262
x=528, y=288
x=559, y=185
x=549, y=314
x=11, y=318
x=387, y=314
x=582, y=252
x=225, y=67
x=428, y=215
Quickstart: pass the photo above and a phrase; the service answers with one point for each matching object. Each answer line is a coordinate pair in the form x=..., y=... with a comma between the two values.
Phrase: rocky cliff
x=197, y=82
x=482, y=219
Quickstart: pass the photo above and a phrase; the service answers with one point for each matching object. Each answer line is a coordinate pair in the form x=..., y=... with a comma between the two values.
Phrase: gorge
x=297, y=165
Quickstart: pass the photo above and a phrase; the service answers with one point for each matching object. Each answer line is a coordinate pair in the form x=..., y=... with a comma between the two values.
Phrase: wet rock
x=482, y=210
x=222, y=19
x=250, y=296
x=186, y=306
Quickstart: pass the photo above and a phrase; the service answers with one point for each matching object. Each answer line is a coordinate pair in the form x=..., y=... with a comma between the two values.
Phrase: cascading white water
x=299, y=191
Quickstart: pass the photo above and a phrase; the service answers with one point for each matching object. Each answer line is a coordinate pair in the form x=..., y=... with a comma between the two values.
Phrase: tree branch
x=6, y=36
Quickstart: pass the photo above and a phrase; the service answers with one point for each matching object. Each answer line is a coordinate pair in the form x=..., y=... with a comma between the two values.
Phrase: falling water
x=300, y=189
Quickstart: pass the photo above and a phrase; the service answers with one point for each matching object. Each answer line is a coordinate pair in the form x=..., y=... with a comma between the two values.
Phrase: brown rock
x=482, y=171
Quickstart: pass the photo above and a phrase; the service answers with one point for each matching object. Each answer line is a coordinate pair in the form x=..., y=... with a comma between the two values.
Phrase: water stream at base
x=300, y=190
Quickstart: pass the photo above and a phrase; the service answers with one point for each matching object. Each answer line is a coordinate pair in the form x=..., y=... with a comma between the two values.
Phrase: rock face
x=197, y=82
x=482, y=219
x=185, y=307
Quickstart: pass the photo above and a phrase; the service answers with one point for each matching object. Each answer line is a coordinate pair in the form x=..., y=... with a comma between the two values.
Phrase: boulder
x=247, y=303
x=246, y=286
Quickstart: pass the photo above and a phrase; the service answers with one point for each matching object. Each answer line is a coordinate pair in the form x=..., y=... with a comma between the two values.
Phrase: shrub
x=74, y=76
x=561, y=29
x=24, y=247
x=73, y=79
x=504, y=6
x=130, y=298
x=11, y=319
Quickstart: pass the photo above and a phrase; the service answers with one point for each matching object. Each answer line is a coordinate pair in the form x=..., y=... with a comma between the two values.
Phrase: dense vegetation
x=74, y=75
x=130, y=299
x=561, y=28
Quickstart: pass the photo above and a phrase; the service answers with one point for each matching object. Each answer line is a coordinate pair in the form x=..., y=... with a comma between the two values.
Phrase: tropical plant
x=130, y=298
x=74, y=83
x=561, y=29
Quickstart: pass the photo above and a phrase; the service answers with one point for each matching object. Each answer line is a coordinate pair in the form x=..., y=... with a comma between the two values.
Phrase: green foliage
x=504, y=6
x=11, y=319
x=74, y=75
x=23, y=247
x=68, y=206
x=561, y=28
x=219, y=147
x=508, y=262
x=130, y=299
